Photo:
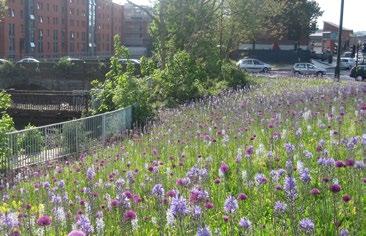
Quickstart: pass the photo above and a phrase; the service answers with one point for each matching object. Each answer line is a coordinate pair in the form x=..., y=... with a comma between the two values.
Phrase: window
x=55, y=35
x=31, y=16
x=11, y=12
x=300, y=66
x=40, y=19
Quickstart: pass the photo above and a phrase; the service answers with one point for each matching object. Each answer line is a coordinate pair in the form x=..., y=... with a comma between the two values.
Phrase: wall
x=47, y=77
x=273, y=56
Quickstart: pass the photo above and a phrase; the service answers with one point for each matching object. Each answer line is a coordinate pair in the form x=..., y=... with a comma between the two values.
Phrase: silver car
x=308, y=69
x=253, y=65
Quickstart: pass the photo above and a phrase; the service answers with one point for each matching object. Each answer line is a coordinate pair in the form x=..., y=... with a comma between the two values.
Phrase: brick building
x=51, y=29
x=136, y=30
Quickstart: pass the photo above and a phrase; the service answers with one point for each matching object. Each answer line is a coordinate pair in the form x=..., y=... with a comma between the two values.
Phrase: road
x=330, y=71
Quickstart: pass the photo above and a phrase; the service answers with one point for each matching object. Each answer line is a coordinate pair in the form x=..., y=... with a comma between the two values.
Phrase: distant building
x=136, y=30
x=327, y=39
x=51, y=29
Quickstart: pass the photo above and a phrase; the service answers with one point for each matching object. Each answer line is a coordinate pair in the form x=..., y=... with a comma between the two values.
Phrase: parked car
x=3, y=62
x=28, y=60
x=347, y=63
x=347, y=54
x=253, y=65
x=308, y=69
x=76, y=60
x=358, y=72
x=137, y=64
x=133, y=61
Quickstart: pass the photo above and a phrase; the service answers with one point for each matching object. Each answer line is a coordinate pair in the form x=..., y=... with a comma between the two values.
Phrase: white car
x=347, y=63
x=253, y=65
x=308, y=69
x=27, y=60
x=3, y=62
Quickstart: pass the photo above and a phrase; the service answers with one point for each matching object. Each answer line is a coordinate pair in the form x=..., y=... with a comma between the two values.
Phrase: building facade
x=136, y=30
x=49, y=29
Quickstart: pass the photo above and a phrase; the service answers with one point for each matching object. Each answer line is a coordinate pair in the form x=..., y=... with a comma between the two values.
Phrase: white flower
x=170, y=218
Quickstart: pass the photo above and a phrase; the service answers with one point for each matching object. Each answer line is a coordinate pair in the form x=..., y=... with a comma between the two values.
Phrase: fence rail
x=41, y=144
x=76, y=101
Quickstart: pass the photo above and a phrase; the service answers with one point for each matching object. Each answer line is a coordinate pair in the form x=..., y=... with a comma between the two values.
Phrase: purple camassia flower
x=289, y=148
x=158, y=190
x=90, y=173
x=359, y=165
x=290, y=188
x=344, y=232
x=364, y=139
x=10, y=220
x=183, y=182
x=205, y=231
x=280, y=207
x=245, y=223
x=178, y=207
x=231, y=205
x=196, y=173
x=307, y=225
x=198, y=195
x=260, y=179
x=304, y=175
x=197, y=212
x=84, y=224
x=308, y=154
x=61, y=184
x=249, y=151
x=327, y=162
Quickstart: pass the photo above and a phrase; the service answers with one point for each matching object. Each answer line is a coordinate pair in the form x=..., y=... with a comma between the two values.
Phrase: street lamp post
x=337, y=70
x=358, y=49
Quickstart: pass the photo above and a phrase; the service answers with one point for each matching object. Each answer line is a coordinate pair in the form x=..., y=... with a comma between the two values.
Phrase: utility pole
x=337, y=69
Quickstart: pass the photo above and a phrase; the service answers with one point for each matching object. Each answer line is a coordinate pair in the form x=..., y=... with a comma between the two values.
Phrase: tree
x=3, y=8
x=301, y=18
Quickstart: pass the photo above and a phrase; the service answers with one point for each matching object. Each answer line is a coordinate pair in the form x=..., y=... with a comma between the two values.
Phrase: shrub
x=182, y=80
x=8, y=70
x=32, y=141
x=232, y=75
x=73, y=138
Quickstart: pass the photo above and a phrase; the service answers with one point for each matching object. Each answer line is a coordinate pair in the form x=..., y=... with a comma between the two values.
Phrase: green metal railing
x=41, y=144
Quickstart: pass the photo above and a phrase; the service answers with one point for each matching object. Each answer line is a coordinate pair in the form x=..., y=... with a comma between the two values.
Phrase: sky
x=354, y=12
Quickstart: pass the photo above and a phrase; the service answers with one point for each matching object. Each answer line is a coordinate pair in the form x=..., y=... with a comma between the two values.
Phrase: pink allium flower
x=76, y=233
x=129, y=215
x=44, y=220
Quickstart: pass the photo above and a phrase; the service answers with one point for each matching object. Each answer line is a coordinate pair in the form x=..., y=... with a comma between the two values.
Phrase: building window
x=11, y=12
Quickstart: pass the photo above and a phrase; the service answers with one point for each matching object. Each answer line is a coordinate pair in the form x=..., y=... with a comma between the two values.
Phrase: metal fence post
x=77, y=139
x=103, y=128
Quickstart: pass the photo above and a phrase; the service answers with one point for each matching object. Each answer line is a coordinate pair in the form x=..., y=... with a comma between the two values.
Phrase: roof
x=335, y=25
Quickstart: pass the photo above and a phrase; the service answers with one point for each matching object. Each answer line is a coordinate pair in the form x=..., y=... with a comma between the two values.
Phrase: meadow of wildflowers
x=284, y=158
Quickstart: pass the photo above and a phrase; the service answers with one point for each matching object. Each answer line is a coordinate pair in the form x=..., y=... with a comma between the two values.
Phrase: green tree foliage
x=122, y=88
x=6, y=125
x=32, y=140
x=3, y=8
